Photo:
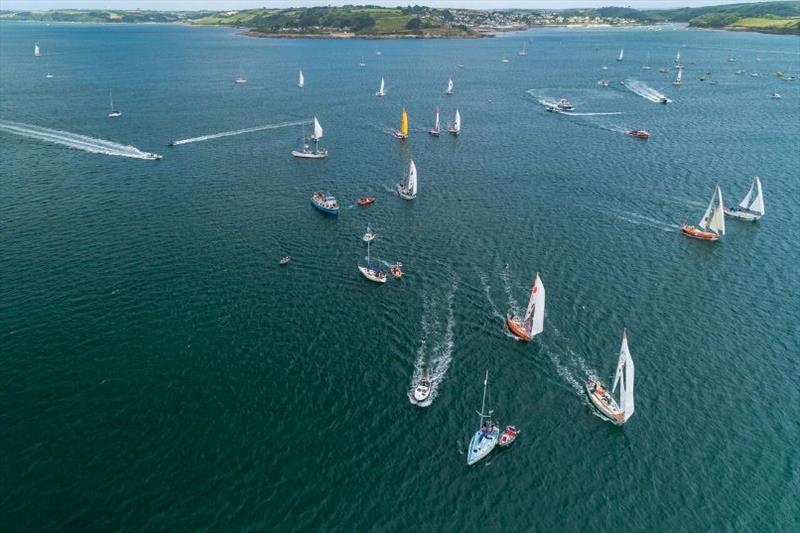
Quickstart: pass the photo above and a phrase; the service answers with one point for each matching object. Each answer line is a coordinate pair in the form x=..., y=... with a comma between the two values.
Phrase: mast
x=436, y=126
x=483, y=402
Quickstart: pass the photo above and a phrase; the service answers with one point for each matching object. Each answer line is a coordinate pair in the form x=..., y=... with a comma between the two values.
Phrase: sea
x=161, y=371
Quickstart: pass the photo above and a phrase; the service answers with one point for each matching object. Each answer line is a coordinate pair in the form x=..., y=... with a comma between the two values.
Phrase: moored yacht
x=485, y=438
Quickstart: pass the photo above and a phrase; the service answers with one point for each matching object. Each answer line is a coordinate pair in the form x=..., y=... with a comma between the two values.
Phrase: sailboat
x=362, y=64
x=713, y=220
x=372, y=272
x=524, y=50
x=423, y=388
x=36, y=51
x=617, y=411
x=369, y=236
x=485, y=439
x=751, y=208
x=241, y=79
x=402, y=133
x=449, y=89
x=114, y=112
x=647, y=66
x=305, y=151
x=532, y=323
x=382, y=89
x=455, y=128
x=409, y=190
x=621, y=55
x=678, y=78
x=678, y=59
x=436, y=129
x=301, y=80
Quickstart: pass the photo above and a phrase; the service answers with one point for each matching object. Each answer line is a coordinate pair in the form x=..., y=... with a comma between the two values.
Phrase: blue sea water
x=162, y=372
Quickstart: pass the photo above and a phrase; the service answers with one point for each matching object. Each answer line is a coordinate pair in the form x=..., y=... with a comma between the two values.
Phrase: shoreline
x=346, y=35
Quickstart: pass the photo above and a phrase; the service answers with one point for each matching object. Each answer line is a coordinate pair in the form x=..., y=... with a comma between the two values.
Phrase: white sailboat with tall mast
x=372, y=272
x=532, y=324
x=524, y=50
x=678, y=78
x=449, y=89
x=485, y=438
x=241, y=79
x=712, y=226
x=751, y=208
x=114, y=112
x=647, y=66
x=301, y=80
x=311, y=151
x=437, y=128
x=381, y=89
x=455, y=128
x=621, y=55
x=36, y=51
x=409, y=190
x=616, y=411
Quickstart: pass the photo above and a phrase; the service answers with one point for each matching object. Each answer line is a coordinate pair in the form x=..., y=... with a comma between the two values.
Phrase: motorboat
x=617, y=412
x=508, y=436
x=422, y=390
x=396, y=270
x=150, y=156
x=639, y=134
x=565, y=105
x=369, y=200
x=775, y=96
x=240, y=80
x=285, y=260
x=505, y=60
x=325, y=202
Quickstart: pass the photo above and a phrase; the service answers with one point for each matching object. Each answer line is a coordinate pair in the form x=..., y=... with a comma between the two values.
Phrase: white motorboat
x=369, y=235
x=423, y=388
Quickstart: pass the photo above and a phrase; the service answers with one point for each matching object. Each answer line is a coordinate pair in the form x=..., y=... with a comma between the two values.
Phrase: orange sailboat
x=402, y=133
x=532, y=323
x=712, y=225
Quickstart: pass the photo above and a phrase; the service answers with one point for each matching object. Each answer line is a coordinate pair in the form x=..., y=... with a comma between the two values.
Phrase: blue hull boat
x=325, y=203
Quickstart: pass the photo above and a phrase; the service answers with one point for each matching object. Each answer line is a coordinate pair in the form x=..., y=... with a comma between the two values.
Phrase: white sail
x=537, y=298
x=621, y=54
x=450, y=85
x=758, y=203
x=679, y=76
x=625, y=366
x=436, y=126
x=301, y=80
x=707, y=215
x=457, y=122
x=381, y=91
x=36, y=51
x=412, y=178
x=678, y=58
x=717, y=222
x=317, y=130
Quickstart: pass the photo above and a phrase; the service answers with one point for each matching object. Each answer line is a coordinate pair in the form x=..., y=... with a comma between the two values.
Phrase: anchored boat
x=372, y=272
x=325, y=202
x=409, y=190
x=532, y=324
x=616, y=411
x=712, y=226
x=751, y=208
x=485, y=439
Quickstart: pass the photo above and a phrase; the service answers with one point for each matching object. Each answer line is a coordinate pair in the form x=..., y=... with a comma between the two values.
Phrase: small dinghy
x=369, y=200
x=285, y=260
x=639, y=134
x=397, y=270
x=508, y=436
x=423, y=389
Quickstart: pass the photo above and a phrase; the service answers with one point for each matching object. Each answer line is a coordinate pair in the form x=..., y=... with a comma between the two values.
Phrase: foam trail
x=488, y=293
x=239, y=132
x=572, y=113
x=645, y=91
x=636, y=218
x=73, y=140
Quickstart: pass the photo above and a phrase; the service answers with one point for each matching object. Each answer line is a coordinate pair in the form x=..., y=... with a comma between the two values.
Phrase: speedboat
x=663, y=100
x=423, y=389
x=602, y=83
x=171, y=143
x=369, y=236
x=565, y=105
x=508, y=436
x=369, y=200
x=776, y=96
x=49, y=76
x=285, y=260
x=639, y=134
x=240, y=80
x=151, y=156
x=325, y=203
x=396, y=270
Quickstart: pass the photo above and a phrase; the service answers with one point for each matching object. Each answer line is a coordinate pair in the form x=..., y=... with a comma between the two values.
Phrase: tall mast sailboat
x=114, y=112
x=436, y=126
x=532, y=324
x=301, y=80
x=524, y=50
x=402, y=133
x=409, y=190
x=616, y=411
x=306, y=150
x=712, y=226
x=382, y=89
x=36, y=51
x=621, y=55
x=678, y=78
x=372, y=272
x=751, y=208
x=455, y=128
x=449, y=89
x=485, y=439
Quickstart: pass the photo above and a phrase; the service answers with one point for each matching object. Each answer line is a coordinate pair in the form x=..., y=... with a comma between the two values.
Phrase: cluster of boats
x=712, y=225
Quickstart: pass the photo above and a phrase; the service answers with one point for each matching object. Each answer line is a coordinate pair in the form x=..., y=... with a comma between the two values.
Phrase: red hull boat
x=639, y=134
x=366, y=201
x=692, y=231
x=517, y=328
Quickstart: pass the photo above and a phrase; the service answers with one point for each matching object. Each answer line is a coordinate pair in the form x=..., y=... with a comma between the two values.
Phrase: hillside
x=102, y=15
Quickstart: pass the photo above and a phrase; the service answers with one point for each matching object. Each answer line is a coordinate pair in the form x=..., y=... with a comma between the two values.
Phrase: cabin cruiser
x=639, y=134
x=423, y=389
x=151, y=156
x=565, y=105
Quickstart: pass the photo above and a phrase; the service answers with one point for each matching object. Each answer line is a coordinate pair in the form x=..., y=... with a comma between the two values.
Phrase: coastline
x=347, y=35
x=742, y=29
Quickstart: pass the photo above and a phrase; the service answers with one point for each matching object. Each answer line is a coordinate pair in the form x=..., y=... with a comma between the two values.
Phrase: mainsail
x=404, y=123
x=301, y=80
x=317, y=130
x=714, y=218
x=457, y=122
x=36, y=51
x=625, y=366
x=449, y=85
x=437, y=125
x=412, y=178
x=757, y=203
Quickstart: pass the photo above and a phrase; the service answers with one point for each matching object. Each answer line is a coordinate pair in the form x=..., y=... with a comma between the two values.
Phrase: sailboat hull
x=747, y=216
x=400, y=135
x=695, y=233
x=372, y=275
x=482, y=444
x=404, y=194
x=434, y=133
x=517, y=329
x=310, y=155
x=604, y=403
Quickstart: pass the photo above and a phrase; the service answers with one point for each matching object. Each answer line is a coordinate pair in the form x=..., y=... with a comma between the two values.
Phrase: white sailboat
x=449, y=89
x=409, y=190
x=751, y=208
x=36, y=51
x=647, y=66
x=678, y=59
x=678, y=78
x=362, y=64
x=305, y=150
x=114, y=112
x=616, y=411
x=455, y=128
x=621, y=55
x=301, y=80
x=524, y=50
x=372, y=272
x=532, y=324
x=712, y=226
x=436, y=126
x=485, y=439
x=241, y=79
x=381, y=89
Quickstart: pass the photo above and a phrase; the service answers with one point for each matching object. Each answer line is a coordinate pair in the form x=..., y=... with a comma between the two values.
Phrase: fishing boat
x=602, y=83
x=678, y=78
x=368, y=200
x=751, y=208
x=565, y=105
x=508, y=436
x=423, y=388
x=616, y=411
x=36, y=51
x=369, y=236
x=621, y=56
x=409, y=190
x=372, y=272
x=712, y=226
x=382, y=89
x=402, y=133
x=285, y=260
x=485, y=438
x=114, y=112
x=449, y=89
x=524, y=50
x=776, y=96
x=311, y=151
x=639, y=134
x=301, y=80
x=325, y=202
x=532, y=324
x=396, y=270
x=455, y=127
x=436, y=129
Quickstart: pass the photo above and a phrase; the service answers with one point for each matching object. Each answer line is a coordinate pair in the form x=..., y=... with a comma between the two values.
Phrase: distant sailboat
x=372, y=272
x=524, y=50
x=485, y=439
x=306, y=151
x=409, y=190
x=621, y=55
x=436, y=126
x=532, y=324
x=751, y=208
x=241, y=79
x=402, y=133
x=301, y=80
x=382, y=89
x=678, y=59
x=455, y=128
x=647, y=66
x=618, y=412
x=362, y=64
x=449, y=89
x=114, y=112
x=678, y=78
x=36, y=51
x=713, y=221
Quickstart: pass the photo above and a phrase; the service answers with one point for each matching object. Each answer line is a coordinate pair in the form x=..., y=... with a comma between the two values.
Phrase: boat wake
x=487, y=290
x=239, y=132
x=636, y=218
x=552, y=103
x=436, y=345
x=73, y=140
x=645, y=91
x=565, y=370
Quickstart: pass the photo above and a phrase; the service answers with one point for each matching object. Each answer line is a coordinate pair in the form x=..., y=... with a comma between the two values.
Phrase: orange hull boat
x=366, y=201
x=692, y=231
x=517, y=329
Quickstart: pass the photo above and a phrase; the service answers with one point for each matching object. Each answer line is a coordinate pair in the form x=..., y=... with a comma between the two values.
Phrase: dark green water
x=162, y=372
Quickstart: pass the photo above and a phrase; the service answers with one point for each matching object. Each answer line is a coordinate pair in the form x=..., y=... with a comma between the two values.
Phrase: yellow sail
x=404, y=123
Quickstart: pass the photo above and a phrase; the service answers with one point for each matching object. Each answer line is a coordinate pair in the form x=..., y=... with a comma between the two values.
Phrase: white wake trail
x=645, y=91
x=73, y=140
x=239, y=132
